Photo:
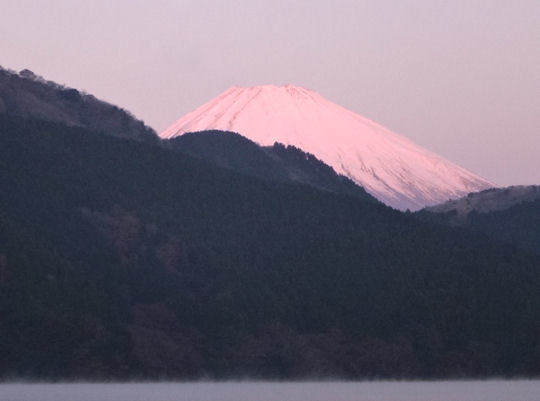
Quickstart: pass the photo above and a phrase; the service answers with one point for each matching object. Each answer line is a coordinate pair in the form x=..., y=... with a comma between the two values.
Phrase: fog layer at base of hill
x=121, y=259
x=492, y=390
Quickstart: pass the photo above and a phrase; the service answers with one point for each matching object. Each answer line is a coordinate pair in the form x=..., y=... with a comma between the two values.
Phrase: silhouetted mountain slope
x=509, y=214
x=276, y=163
x=122, y=259
x=28, y=95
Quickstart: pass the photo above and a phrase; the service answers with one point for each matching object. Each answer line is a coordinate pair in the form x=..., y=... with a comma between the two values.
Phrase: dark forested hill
x=28, y=95
x=120, y=259
x=275, y=163
x=509, y=214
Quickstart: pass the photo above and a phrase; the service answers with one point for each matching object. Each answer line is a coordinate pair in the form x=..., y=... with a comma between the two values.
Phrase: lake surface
x=492, y=390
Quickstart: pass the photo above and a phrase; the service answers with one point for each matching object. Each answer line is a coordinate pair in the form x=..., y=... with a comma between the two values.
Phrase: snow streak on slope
x=390, y=167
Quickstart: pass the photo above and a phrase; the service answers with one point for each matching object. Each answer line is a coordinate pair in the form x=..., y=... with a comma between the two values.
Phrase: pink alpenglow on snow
x=389, y=166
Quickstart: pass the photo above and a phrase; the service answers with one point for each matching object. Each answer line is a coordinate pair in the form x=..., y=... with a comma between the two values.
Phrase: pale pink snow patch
x=389, y=166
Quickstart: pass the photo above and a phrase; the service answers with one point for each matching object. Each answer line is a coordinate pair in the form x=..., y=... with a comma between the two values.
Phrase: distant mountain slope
x=276, y=163
x=489, y=200
x=509, y=214
x=25, y=94
x=388, y=166
x=120, y=259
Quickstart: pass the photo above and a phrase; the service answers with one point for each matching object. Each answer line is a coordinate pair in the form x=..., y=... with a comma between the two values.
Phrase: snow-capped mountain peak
x=389, y=166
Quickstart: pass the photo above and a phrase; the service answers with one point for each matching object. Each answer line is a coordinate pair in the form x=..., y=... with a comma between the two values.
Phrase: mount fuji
x=392, y=168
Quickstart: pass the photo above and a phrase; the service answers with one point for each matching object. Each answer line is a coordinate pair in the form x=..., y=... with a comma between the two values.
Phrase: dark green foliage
x=120, y=259
x=275, y=163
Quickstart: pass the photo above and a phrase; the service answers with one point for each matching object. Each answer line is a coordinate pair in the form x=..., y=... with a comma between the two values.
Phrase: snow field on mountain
x=389, y=166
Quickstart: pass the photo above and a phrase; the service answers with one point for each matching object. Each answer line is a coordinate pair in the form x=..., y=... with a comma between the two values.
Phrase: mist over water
x=495, y=390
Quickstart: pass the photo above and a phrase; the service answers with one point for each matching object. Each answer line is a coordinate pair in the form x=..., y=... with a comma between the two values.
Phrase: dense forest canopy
x=124, y=259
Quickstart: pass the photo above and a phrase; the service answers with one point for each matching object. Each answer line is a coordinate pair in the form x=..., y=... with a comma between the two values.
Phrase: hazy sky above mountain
x=461, y=78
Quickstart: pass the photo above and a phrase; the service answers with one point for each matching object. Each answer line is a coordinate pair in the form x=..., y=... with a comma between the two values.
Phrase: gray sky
x=461, y=77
